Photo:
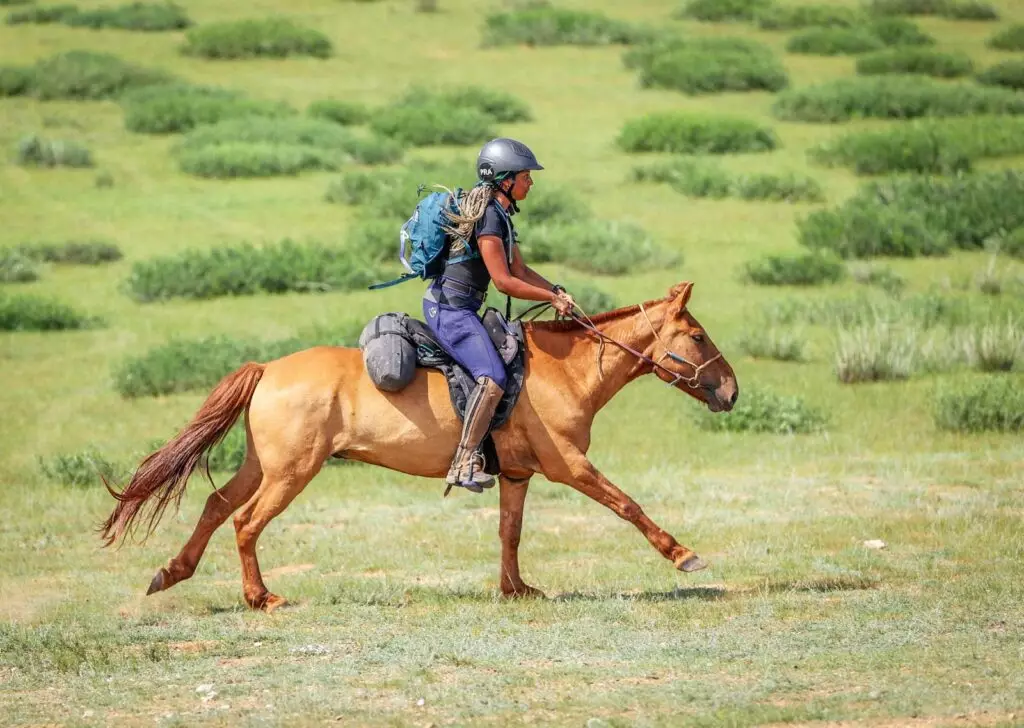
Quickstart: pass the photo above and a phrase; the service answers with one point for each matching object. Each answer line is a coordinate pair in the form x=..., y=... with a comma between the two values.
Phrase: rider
x=484, y=249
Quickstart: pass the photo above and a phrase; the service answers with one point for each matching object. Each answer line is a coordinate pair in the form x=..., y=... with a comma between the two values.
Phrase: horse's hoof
x=159, y=583
x=523, y=592
x=693, y=562
x=273, y=602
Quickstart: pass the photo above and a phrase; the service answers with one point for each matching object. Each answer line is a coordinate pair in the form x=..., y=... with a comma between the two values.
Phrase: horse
x=320, y=402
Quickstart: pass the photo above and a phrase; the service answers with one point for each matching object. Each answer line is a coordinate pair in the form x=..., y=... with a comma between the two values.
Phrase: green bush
x=34, y=151
x=691, y=134
x=256, y=146
x=994, y=346
x=1008, y=73
x=14, y=2
x=392, y=193
x=555, y=205
x=899, y=32
x=940, y=146
x=542, y=25
x=958, y=9
x=501, y=106
x=970, y=10
x=896, y=96
x=245, y=270
x=876, y=352
x=773, y=342
x=707, y=65
x=924, y=61
x=806, y=269
x=79, y=75
x=16, y=267
x=74, y=252
x=834, y=41
x=346, y=113
x=151, y=17
x=1009, y=39
x=762, y=410
x=1012, y=243
x=433, y=122
x=32, y=313
x=885, y=278
x=919, y=216
x=42, y=14
x=701, y=178
x=188, y=365
x=179, y=108
x=792, y=17
x=995, y=403
x=717, y=11
x=596, y=246
x=270, y=37
x=82, y=469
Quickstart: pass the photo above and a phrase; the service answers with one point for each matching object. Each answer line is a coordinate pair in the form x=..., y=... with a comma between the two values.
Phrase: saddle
x=394, y=344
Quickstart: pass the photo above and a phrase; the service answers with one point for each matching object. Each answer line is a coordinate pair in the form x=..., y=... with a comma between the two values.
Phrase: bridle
x=692, y=381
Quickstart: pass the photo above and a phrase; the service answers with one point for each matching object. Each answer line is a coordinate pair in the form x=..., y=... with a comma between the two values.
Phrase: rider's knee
x=498, y=378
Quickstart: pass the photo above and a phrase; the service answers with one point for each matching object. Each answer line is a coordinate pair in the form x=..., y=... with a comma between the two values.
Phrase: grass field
x=396, y=618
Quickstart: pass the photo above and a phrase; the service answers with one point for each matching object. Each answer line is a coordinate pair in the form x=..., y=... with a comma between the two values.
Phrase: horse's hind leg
x=221, y=504
x=277, y=490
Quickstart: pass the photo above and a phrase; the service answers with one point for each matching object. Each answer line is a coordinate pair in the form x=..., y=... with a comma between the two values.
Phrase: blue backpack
x=423, y=242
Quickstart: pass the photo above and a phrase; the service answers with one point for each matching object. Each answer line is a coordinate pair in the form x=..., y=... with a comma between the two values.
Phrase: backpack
x=423, y=242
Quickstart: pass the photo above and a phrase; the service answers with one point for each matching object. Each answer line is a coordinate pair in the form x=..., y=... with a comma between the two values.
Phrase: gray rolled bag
x=389, y=356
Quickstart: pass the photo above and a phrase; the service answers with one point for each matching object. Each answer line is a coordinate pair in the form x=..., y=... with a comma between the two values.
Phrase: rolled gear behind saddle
x=389, y=356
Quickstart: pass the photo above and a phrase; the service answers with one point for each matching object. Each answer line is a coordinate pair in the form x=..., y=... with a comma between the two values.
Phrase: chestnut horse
x=303, y=408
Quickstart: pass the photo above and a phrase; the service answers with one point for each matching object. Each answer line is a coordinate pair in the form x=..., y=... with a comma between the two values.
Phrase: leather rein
x=692, y=381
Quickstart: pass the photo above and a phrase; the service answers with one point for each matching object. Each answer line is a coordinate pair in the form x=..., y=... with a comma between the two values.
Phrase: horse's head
x=688, y=357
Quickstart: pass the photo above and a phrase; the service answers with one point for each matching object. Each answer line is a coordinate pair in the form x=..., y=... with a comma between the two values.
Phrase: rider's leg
x=467, y=466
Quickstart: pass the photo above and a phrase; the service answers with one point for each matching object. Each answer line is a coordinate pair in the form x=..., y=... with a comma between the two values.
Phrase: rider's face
x=521, y=185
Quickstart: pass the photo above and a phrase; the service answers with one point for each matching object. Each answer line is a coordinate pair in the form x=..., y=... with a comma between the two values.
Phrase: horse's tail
x=163, y=474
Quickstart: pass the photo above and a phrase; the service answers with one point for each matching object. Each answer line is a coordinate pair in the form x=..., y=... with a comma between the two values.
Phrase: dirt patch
x=962, y=719
x=192, y=647
x=288, y=569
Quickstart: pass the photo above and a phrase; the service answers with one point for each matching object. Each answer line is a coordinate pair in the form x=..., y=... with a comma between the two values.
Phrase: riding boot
x=467, y=468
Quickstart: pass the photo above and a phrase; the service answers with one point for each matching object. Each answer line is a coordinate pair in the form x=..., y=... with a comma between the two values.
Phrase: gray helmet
x=502, y=156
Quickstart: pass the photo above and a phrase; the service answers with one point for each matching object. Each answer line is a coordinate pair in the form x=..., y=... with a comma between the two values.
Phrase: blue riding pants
x=461, y=333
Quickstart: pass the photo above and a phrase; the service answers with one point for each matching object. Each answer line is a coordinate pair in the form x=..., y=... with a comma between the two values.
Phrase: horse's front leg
x=577, y=471
x=513, y=496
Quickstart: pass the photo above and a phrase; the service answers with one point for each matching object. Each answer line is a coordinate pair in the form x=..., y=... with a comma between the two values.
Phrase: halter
x=693, y=381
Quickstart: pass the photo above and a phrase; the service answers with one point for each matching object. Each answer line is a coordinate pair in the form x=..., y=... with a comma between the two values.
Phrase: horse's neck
x=600, y=372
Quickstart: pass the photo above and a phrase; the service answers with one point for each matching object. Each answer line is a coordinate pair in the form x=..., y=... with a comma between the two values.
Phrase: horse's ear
x=680, y=296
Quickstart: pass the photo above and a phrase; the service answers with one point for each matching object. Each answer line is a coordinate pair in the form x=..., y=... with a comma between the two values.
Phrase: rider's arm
x=524, y=272
x=493, y=253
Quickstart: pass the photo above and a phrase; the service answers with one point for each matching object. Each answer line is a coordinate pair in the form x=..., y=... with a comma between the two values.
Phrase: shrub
x=392, y=193
x=807, y=269
x=595, y=246
x=993, y=346
x=432, y=123
x=42, y=14
x=246, y=270
x=1007, y=73
x=1009, y=39
x=899, y=32
x=133, y=16
x=690, y=134
x=15, y=267
x=959, y=9
x=1012, y=243
x=15, y=2
x=995, y=403
x=834, y=41
x=877, y=352
x=499, y=105
x=227, y=161
x=34, y=151
x=32, y=313
x=925, y=61
x=919, y=216
x=900, y=97
x=970, y=10
x=180, y=108
x=82, y=468
x=88, y=252
x=885, y=278
x=707, y=65
x=269, y=37
x=15, y=81
x=187, y=365
x=716, y=11
x=945, y=146
x=704, y=179
x=346, y=113
x=791, y=17
x=542, y=25
x=772, y=342
x=86, y=75
x=762, y=410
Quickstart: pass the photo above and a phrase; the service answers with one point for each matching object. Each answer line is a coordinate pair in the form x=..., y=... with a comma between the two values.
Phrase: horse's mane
x=597, y=319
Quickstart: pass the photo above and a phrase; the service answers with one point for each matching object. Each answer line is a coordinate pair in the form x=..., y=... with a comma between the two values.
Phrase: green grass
x=395, y=589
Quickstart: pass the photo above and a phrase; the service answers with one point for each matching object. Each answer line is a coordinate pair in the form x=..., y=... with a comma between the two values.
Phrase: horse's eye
x=699, y=338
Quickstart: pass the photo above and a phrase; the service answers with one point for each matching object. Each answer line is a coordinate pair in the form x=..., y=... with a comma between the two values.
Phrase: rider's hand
x=563, y=303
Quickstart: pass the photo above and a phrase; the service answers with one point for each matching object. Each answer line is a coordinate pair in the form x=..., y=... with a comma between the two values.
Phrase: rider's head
x=506, y=164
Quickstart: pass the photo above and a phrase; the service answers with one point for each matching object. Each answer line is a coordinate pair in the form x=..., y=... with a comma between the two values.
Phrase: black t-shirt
x=473, y=272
